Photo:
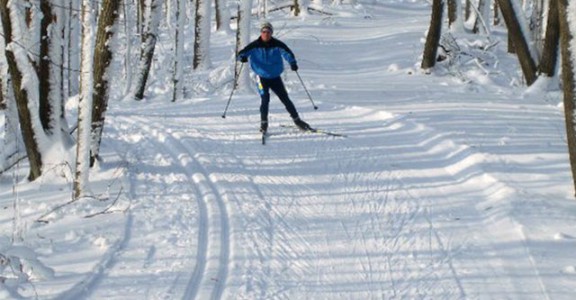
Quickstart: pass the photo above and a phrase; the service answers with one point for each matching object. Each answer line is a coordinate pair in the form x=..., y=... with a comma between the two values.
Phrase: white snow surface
x=452, y=185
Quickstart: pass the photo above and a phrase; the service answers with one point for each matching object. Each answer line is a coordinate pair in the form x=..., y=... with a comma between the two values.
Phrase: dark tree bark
x=21, y=96
x=44, y=67
x=468, y=10
x=2, y=101
x=452, y=12
x=496, y=13
x=568, y=79
x=519, y=41
x=296, y=10
x=434, y=33
x=550, y=51
x=102, y=58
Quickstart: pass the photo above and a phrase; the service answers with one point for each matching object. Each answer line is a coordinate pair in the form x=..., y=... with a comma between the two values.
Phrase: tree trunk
x=568, y=79
x=222, y=16
x=178, y=50
x=44, y=67
x=550, y=50
x=2, y=101
x=518, y=38
x=50, y=72
x=242, y=40
x=453, y=6
x=85, y=102
x=152, y=20
x=72, y=54
x=21, y=96
x=496, y=13
x=482, y=17
x=468, y=10
x=536, y=23
x=296, y=10
x=434, y=33
x=201, y=58
x=102, y=58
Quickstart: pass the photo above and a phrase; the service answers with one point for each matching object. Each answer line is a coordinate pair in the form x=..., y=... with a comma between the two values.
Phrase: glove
x=243, y=59
x=294, y=67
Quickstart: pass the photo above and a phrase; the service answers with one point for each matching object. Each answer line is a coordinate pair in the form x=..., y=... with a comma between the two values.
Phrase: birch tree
x=222, y=16
x=150, y=36
x=85, y=103
x=72, y=38
x=179, y=49
x=201, y=58
x=567, y=13
x=242, y=40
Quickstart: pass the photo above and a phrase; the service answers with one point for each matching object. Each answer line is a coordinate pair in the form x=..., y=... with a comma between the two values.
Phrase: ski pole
x=232, y=92
x=309, y=97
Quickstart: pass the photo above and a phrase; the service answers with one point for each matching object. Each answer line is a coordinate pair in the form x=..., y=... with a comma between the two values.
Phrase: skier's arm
x=288, y=55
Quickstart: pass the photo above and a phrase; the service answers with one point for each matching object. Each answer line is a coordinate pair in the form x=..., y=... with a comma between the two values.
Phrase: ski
x=316, y=130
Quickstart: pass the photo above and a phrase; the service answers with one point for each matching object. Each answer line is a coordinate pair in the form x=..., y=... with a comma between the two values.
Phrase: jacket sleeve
x=245, y=53
x=242, y=54
x=287, y=54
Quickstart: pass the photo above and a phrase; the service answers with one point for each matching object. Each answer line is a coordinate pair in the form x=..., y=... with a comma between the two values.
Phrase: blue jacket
x=266, y=58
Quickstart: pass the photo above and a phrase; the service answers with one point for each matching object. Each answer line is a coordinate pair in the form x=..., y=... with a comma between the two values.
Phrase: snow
x=453, y=185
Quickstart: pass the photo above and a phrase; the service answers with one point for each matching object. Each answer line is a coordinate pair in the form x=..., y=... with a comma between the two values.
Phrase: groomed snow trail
x=306, y=216
x=398, y=210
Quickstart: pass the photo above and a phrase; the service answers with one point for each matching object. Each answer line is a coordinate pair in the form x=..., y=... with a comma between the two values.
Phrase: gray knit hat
x=266, y=25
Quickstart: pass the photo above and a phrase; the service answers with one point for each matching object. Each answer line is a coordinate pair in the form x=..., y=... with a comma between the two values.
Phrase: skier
x=265, y=54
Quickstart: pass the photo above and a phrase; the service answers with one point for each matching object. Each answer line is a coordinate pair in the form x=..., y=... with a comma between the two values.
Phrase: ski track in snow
x=266, y=231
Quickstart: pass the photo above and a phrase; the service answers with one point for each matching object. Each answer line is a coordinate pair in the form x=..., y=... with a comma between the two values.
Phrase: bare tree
x=433, y=37
x=222, y=16
x=2, y=101
x=453, y=12
x=179, y=49
x=568, y=78
x=50, y=69
x=519, y=39
x=496, y=12
x=202, y=35
x=549, y=56
x=242, y=39
x=72, y=36
x=150, y=36
x=102, y=58
x=16, y=58
x=85, y=101
x=482, y=17
x=537, y=23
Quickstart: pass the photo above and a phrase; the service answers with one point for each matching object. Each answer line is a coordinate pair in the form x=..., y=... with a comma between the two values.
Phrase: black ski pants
x=277, y=86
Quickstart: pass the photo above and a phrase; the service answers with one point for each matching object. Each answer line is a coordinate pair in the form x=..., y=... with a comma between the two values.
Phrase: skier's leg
x=264, y=91
x=277, y=86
